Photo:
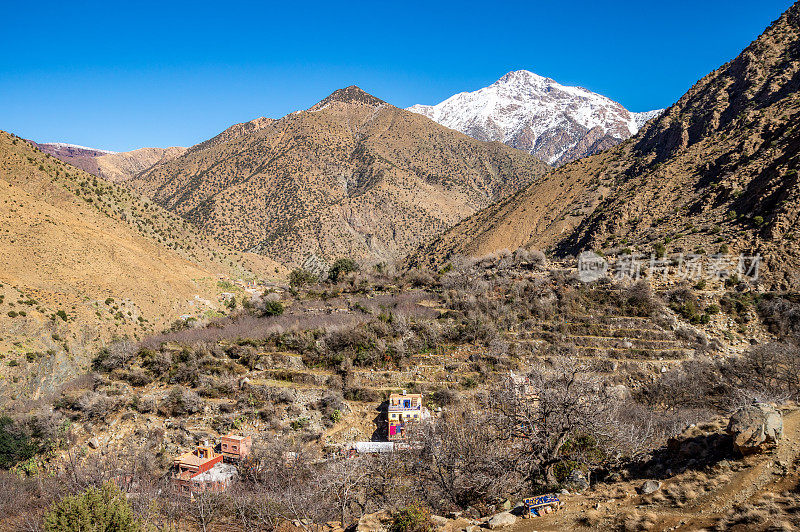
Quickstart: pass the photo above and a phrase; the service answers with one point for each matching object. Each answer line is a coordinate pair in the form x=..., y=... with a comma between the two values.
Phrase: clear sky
x=123, y=75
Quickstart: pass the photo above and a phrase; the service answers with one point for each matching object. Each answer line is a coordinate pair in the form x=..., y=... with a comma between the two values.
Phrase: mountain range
x=554, y=122
x=112, y=166
x=351, y=176
x=85, y=261
x=717, y=172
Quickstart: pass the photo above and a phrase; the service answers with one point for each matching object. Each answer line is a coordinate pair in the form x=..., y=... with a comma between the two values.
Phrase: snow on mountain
x=554, y=122
x=64, y=145
x=642, y=118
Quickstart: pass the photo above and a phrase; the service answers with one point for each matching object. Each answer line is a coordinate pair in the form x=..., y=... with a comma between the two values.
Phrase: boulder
x=375, y=522
x=500, y=520
x=650, y=486
x=438, y=520
x=577, y=481
x=755, y=426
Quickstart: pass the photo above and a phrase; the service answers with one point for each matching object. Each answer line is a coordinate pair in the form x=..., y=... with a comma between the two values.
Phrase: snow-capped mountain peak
x=555, y=122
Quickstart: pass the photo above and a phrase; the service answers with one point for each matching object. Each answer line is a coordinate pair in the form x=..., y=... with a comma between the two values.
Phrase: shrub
x=272, y=308
x=15, y=445
x=94, y=510
x=179, y=403
x=341, y=266
x=301, y=277
x=414, y=518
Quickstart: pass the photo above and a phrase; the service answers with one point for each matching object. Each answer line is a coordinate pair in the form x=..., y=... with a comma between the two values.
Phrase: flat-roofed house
x=189, y=466
x=404, y=409
x=235, y=448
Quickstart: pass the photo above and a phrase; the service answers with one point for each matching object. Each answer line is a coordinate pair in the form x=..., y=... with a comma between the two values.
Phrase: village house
x=235, y=448
x=404, y=409
x=201, y=470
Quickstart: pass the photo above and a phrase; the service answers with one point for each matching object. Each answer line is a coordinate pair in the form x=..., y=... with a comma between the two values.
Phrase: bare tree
x=204, y=508
x=463, y=457
x=553, y=406
x=345, y=482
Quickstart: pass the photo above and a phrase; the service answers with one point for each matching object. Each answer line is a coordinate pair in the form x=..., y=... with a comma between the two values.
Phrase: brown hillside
x=116, y=167
x=719, y=168
x=83, y=262
x=351, y=176
x=112, y=167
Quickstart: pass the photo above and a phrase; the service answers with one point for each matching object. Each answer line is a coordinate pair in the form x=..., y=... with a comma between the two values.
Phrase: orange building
x=235, y=448
x=189, y=466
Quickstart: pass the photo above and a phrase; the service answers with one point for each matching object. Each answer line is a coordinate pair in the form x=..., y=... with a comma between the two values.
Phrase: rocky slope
x=556, y=123
x=112, y=166
x=84, y=262
x=718, y=171
x=352, y=175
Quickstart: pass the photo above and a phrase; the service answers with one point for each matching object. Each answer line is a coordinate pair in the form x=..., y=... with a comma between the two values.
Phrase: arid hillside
x=116, y=167
x=84, y=262
x=111, y=166
x=717, y=172
x=352, y=175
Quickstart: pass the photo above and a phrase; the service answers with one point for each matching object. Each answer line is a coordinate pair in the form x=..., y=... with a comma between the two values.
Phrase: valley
x=525, y=308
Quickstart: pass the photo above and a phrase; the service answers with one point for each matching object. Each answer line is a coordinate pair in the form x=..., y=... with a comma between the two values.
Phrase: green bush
x=414, y=518
x=341, y=266
x=15, y=445
x=301, y=277
x=272, y=308
x=94, y=510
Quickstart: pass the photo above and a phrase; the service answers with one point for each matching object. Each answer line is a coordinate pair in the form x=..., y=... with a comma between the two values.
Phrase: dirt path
x=761, y=474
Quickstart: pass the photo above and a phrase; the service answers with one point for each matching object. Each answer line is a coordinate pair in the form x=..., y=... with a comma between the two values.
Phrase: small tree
x=272, y=308
x=94, y=510
x=414, y=518
x=343, y=265
x=301, y=277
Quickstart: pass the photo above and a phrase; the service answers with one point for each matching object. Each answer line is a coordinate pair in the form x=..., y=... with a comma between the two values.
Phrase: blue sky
x=121, y=76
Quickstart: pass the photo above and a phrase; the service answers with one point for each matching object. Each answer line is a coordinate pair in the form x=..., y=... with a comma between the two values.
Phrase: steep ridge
x=556, y=123
x=84, y=262
x=111, y=166
x=116, y=167
x=717, y=172
x=353, y=176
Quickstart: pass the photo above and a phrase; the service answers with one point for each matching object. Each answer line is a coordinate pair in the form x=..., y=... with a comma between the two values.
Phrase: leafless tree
x=463, y=458
x=345, y=482
x=205, y=508
x=554, y=405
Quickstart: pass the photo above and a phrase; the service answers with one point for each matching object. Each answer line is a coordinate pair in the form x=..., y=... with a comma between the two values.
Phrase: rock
x=620, y=391
x=500, y=520
x=755, y=426
x=375, y=522
x=564, y=492
x=506, y=504
x=438, y=520
x=650, y=486
x=94, y=443
x=577, y=480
